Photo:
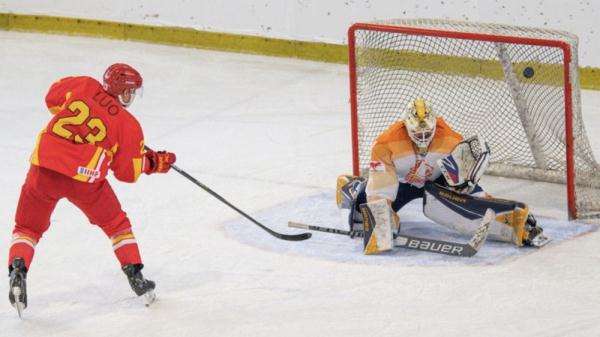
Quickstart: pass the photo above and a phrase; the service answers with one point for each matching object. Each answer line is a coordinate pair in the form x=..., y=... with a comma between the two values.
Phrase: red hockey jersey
x=90, y=133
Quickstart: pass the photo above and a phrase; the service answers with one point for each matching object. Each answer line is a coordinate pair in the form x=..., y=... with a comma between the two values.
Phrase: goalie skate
x=539, y=241
x=536, y=237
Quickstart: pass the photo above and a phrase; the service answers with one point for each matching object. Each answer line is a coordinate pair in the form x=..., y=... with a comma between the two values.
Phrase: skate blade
x=20, y=306
x=540, y=241
x=149, y=297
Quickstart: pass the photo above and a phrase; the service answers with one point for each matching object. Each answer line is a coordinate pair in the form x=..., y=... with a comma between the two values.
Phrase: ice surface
x=270, y=135
x=320, y=210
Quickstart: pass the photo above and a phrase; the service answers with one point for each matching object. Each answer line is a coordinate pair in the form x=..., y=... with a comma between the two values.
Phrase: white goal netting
x=517, y=87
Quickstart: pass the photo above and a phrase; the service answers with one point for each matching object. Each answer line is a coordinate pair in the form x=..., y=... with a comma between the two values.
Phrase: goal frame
x=567, y=57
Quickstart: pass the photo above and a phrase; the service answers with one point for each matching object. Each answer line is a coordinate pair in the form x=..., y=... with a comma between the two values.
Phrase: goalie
x=422, y=157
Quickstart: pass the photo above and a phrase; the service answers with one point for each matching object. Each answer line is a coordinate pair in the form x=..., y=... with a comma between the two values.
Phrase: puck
x=528, y=72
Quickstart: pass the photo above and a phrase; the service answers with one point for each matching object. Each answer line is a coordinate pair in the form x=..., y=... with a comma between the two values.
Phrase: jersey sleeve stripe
x=98, y=166
x=56, y=109
x=137, y=168
x=35, y=158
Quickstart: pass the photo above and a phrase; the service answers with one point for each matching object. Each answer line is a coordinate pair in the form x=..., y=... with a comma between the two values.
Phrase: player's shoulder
x=394, y=133
x=444, y=130
x=445, y=138
x=131, y=118
x=130, y=122
x=125, y=127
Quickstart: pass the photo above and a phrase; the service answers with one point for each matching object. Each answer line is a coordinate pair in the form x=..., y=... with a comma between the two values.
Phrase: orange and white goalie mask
x=420, y=123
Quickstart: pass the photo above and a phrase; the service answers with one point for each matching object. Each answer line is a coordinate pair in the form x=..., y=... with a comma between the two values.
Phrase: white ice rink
x=270, y=135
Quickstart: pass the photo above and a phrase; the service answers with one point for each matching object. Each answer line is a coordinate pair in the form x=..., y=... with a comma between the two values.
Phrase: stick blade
x=295, y=237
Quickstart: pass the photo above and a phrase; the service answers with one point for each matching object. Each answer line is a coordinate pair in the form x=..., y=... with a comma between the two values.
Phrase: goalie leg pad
x=462, y=213
x=515, y=220
x=377, y=222
x=347, y=190
x=349, y=194
x=527, y=233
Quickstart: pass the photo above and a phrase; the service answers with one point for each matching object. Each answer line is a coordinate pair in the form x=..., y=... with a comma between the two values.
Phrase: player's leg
x=40, y=193
x=102, y=208
x=406, y=193
x=351, y=193
x=100, y=204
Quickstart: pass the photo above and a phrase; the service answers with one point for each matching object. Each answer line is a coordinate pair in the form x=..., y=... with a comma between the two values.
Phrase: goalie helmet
x=420, y=123
x=122, y=81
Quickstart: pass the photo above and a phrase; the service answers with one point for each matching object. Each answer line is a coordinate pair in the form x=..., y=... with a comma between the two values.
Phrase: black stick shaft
x=416, y=243
x=324, y=229
x=293, y=237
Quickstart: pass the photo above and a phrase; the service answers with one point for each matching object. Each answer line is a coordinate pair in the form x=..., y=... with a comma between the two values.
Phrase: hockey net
x=518, y=87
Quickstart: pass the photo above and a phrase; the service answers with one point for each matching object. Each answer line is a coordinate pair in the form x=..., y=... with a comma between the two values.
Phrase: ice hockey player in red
x=422, y=157
x=90, y=133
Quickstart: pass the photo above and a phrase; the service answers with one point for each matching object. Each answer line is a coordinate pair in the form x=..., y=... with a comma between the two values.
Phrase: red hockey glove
x=158, y=162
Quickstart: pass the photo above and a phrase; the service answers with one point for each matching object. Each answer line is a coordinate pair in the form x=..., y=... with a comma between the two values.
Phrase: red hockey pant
x=43, y=188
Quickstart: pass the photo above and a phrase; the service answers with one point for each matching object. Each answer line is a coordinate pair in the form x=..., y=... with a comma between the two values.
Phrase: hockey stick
x=429, y=245
x=287, y=237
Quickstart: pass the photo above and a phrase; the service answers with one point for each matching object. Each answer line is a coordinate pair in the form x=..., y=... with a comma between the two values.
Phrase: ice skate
x=17, y=294
x=536, y=237
x=139, y=284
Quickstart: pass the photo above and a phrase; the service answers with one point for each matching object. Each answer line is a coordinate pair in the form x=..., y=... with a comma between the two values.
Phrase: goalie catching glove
x=463, y=168
x=158, y=162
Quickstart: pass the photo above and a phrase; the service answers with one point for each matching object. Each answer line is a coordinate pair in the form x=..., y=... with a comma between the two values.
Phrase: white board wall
x=327, y=20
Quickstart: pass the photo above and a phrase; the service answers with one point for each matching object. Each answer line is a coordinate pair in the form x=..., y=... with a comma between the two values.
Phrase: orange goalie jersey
x=89, y=133
x=394, y=159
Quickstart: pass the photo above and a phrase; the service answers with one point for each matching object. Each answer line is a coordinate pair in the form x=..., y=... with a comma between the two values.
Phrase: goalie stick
x=429, y=245
x=287, y=237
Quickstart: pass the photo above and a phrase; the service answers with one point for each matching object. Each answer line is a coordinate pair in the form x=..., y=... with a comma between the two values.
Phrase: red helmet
x=120, y=77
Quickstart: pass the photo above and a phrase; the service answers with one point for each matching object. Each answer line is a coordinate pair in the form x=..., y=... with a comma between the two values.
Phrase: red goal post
x=516, y=86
